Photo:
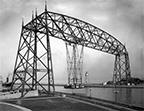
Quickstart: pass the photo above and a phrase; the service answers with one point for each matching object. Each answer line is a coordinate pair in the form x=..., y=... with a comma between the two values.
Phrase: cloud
x=122, y=18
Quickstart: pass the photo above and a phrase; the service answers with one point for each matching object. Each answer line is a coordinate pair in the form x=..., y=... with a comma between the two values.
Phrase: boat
x=7, y=84
x=73, y=86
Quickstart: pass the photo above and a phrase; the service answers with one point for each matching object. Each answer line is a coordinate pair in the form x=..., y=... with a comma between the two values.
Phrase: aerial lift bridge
x=33, y=65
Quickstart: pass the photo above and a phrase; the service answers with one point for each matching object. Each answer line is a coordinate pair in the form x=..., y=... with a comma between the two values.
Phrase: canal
x=130, y=96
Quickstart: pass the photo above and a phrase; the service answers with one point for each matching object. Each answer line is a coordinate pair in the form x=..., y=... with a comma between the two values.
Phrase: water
x=131, y=96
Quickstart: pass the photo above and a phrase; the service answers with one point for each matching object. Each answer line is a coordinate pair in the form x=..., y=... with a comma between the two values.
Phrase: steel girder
x=72, y=30
x=77, y=31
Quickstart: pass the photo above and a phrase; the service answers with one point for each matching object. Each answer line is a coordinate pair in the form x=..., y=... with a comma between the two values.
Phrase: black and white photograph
x=71, y=55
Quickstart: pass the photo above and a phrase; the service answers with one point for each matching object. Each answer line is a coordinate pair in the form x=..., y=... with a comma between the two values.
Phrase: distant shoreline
x=96, y=85
x=107, y=86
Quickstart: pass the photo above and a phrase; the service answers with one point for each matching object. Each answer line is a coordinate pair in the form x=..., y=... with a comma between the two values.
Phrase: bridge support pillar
x=121, y=74
x=33, y=67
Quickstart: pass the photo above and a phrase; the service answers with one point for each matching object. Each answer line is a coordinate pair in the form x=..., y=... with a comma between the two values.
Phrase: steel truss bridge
x=34, y=61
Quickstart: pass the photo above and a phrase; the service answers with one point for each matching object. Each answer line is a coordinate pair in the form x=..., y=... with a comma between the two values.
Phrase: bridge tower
x=121, y=68
x=74, y=65
x=33, y=66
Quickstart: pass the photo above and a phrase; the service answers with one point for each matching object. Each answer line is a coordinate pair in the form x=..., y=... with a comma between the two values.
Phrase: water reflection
x=128, y=95
x=122, y=95
x=86, y=91
x=133, y=96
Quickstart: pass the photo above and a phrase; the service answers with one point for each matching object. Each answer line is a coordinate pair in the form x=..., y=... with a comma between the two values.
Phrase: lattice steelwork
x=121, y=68
x=33, y=67
x=74, y=64
x=72, y=30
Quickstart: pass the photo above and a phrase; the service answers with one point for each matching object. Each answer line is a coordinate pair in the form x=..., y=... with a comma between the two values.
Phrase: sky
x=124, y=19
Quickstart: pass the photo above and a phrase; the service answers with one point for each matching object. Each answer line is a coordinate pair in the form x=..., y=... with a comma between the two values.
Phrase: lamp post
x=86, y=82
x=86, y=78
